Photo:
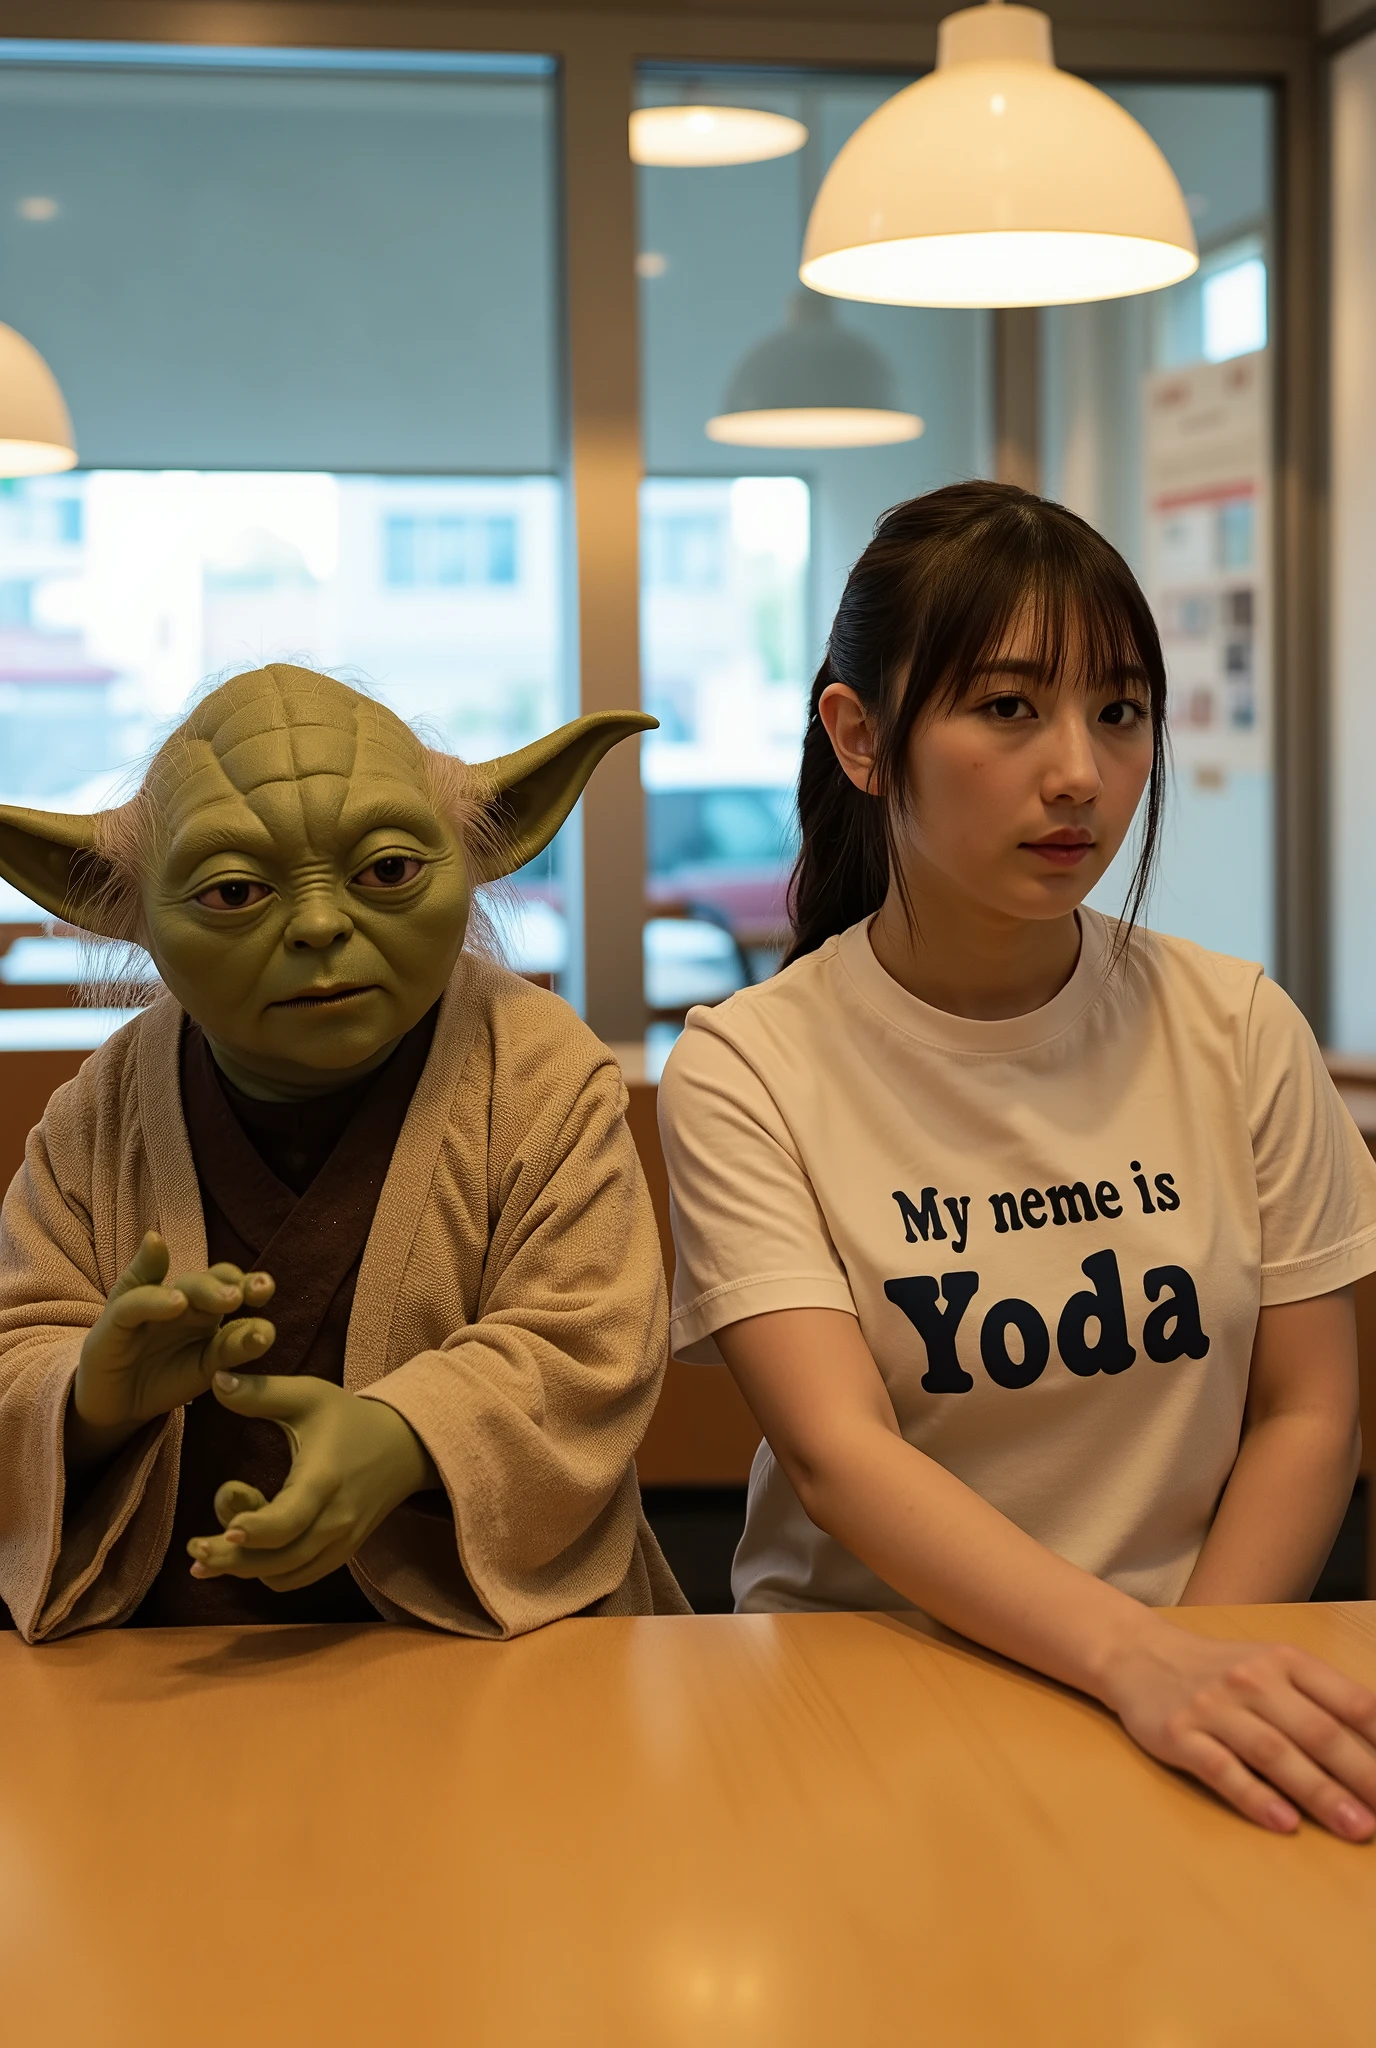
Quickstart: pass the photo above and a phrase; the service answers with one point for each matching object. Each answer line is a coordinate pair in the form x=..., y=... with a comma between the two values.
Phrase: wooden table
x=762, y=1832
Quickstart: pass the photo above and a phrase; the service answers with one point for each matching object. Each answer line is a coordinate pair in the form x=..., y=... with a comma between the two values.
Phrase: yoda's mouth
x=325, y=998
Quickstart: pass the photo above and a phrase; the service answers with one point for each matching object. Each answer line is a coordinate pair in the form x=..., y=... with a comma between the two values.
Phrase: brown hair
x=929, y=603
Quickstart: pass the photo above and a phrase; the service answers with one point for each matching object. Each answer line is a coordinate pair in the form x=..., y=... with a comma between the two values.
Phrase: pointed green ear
x=37, y=850
x=534, y=790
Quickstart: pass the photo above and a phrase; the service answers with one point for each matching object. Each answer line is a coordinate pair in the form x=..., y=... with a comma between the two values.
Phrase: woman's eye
x=233, y=895
x=1007, y=709
x=393, y=871
x=1124, y=713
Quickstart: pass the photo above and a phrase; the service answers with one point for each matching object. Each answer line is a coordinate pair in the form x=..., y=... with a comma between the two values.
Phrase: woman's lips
x=1059, y=853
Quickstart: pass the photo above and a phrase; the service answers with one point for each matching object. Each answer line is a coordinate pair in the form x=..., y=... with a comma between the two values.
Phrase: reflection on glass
x=745, y=550
x=1157, y=429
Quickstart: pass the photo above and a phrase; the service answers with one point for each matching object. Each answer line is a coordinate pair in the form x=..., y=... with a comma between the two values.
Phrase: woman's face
x=1020, y=795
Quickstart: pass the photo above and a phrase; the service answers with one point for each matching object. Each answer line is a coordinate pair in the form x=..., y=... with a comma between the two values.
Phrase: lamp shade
x=812, y=385
x=35, y=431
x=684, y=136
x=998, y=180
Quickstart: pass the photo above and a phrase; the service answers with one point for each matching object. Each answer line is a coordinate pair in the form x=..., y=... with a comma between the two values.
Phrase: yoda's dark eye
x=233, y=895
x=392, y=871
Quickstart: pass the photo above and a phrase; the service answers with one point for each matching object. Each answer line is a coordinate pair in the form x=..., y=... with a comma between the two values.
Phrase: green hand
x=157, y=1346
x=353, y=1461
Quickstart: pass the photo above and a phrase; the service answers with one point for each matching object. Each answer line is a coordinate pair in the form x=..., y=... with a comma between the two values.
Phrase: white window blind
x=278, y=260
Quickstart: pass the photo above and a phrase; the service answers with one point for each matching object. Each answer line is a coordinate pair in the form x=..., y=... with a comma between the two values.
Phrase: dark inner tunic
x=290, y=1188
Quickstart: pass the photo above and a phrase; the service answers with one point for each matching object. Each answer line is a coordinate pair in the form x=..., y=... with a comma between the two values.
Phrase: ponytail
x=842, y=870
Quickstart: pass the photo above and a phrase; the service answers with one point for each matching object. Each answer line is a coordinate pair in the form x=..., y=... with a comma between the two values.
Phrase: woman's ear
x=529, y=794
x=850, y=732
x=51, y=857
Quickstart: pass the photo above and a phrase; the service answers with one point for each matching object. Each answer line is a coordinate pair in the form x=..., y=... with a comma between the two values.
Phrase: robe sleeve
x=84, y=1563
x=533, y=1412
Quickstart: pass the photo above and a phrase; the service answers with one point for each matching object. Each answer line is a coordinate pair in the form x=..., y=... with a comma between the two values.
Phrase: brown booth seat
x=703, y=1434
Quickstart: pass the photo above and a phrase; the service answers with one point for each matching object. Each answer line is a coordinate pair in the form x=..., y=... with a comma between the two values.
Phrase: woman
x=1029, y=1236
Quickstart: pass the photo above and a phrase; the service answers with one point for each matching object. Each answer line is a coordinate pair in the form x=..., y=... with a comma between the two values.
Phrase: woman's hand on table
x=353, y=1461
x=1270, y=1729
x=158, y=1344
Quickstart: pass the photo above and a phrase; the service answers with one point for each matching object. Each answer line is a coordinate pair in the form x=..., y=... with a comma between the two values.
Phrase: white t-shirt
x=1055, y=1230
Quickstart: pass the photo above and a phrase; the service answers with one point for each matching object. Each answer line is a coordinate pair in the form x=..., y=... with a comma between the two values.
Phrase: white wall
x=1353, y=543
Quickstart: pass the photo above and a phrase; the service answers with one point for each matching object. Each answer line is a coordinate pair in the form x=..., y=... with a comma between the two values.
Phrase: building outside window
x=449, y=548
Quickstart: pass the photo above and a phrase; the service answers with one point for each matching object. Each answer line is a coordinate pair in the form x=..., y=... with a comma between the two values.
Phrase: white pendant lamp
x=998, y=180
x=35, y=430
x=812, y=385
x=686, y=136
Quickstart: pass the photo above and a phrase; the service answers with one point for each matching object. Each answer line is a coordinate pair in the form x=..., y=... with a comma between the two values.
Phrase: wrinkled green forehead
x=279, y=726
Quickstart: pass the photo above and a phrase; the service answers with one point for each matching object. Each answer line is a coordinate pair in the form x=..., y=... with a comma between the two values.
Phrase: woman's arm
x=1244, y=1718
x=1301, y=1443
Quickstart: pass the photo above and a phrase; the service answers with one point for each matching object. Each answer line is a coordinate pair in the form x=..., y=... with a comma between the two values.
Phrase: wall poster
x=1206, y=449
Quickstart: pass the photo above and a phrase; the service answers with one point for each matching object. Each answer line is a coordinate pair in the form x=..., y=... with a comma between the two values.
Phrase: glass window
x=124, y=589
x=303, y=309
x=746, y=546
x=1156, y=427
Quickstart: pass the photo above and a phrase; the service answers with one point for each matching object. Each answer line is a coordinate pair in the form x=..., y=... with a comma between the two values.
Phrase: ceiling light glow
x=681, y=137
x=1032, y=268
x=35, y=429
x=815, y=426
x=998, y=180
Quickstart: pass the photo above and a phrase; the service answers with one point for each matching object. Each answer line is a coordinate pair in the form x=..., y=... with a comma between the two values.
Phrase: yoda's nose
x=317, y=924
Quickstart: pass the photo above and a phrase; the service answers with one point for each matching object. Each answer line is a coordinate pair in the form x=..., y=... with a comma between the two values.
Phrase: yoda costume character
x=412, y=1161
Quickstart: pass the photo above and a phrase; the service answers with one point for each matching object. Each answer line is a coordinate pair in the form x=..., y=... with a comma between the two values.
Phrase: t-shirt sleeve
x=1316, y=1180
x=749, y=1236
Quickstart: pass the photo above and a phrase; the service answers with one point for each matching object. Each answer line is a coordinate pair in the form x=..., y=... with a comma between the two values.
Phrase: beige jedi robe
x=510, y=1305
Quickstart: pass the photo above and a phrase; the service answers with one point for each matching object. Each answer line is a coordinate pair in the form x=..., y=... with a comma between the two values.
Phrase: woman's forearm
x=1264, y=1726
x=1280, y=1510
x=936, y=1542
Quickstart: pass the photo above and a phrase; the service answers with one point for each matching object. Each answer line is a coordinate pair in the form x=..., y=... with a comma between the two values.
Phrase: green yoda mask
x=299, y=866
